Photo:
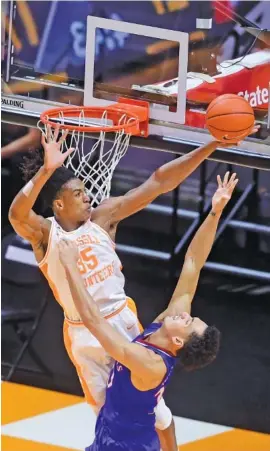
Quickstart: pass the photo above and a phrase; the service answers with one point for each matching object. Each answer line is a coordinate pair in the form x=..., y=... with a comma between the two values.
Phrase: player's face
x=76, y=204
x=179, y=328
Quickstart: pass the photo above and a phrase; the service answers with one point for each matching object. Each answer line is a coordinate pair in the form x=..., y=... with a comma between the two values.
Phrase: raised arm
x=163, y=180
x=199, y=249
x=24, y=220
x=133, y=356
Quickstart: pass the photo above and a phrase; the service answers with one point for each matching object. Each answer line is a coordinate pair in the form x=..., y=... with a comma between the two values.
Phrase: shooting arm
x=133, y=356
x=164, y=179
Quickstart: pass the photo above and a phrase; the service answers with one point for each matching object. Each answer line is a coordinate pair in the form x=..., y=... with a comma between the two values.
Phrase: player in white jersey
x=94, y=232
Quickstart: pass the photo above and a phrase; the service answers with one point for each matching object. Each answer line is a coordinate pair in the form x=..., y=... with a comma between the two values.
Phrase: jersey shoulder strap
x=149, y=330
x=168, y=358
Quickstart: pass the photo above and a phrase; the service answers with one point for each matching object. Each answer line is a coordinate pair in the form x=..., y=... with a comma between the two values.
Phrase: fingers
x=225, y=144
x=67, y=244
x=233, y=185
x=63, y=137
x=52, y=137
x=225, y=180
x=48, y=133
x=222, y=184
x=64, y=243
x=232, y=178
x=43, y=139
x=69, y=151
x=56, y=133
x=255, y=129
x=219, y=181
x=229, y=182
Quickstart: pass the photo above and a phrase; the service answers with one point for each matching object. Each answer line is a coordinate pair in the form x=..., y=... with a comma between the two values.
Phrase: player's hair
x=30, y=166
x=200, y=350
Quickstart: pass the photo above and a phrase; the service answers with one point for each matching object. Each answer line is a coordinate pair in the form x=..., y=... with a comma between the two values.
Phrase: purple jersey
x=126, y=422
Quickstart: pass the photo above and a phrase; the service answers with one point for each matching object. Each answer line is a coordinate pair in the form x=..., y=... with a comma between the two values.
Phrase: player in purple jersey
x=143, y=368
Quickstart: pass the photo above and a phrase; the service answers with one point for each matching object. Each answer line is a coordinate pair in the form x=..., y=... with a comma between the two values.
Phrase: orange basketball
x=229, y=118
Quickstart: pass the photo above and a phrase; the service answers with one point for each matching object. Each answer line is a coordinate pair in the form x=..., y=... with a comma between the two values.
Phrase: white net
x=94, y=163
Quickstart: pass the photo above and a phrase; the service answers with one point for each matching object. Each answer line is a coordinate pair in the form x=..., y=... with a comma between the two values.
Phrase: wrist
x=213, y=144
x=215, y=213
x=45, y=171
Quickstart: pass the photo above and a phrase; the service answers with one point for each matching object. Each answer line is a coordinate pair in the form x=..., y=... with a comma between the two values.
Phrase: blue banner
x=61, y=29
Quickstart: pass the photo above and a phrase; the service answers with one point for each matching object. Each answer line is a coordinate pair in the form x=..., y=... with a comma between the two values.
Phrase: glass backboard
x=92, y=52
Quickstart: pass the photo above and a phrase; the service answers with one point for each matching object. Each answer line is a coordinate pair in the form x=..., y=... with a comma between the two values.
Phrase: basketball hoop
x=95, y=166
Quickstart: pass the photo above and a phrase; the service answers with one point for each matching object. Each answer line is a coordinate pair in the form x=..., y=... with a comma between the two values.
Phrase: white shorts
x=93, y=364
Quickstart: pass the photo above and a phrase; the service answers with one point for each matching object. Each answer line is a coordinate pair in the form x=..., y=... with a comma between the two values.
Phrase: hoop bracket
x=141, y=109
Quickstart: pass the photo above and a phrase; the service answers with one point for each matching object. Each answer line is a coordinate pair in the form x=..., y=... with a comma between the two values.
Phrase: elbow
x=166, y=182
x=15, y=212
x=12, y=214
x=161, y=183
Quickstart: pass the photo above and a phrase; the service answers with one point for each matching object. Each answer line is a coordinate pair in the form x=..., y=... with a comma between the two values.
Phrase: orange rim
x=136, y=112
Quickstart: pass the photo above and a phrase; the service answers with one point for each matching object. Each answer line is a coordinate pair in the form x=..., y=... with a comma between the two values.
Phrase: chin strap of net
x=94, y=166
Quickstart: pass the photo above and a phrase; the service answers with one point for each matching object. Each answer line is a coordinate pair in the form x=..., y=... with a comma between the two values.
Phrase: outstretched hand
x=223, y=192
x=53, y=157
x=68, y=252
x=230, y=144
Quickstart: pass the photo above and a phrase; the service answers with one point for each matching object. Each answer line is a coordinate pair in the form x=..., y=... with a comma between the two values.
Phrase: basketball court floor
x=34, y=419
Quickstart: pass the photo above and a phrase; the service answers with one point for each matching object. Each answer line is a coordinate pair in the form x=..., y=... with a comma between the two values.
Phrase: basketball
x=229, y=118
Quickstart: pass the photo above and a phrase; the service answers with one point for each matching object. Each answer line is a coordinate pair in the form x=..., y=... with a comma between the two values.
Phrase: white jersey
x=98, y=264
